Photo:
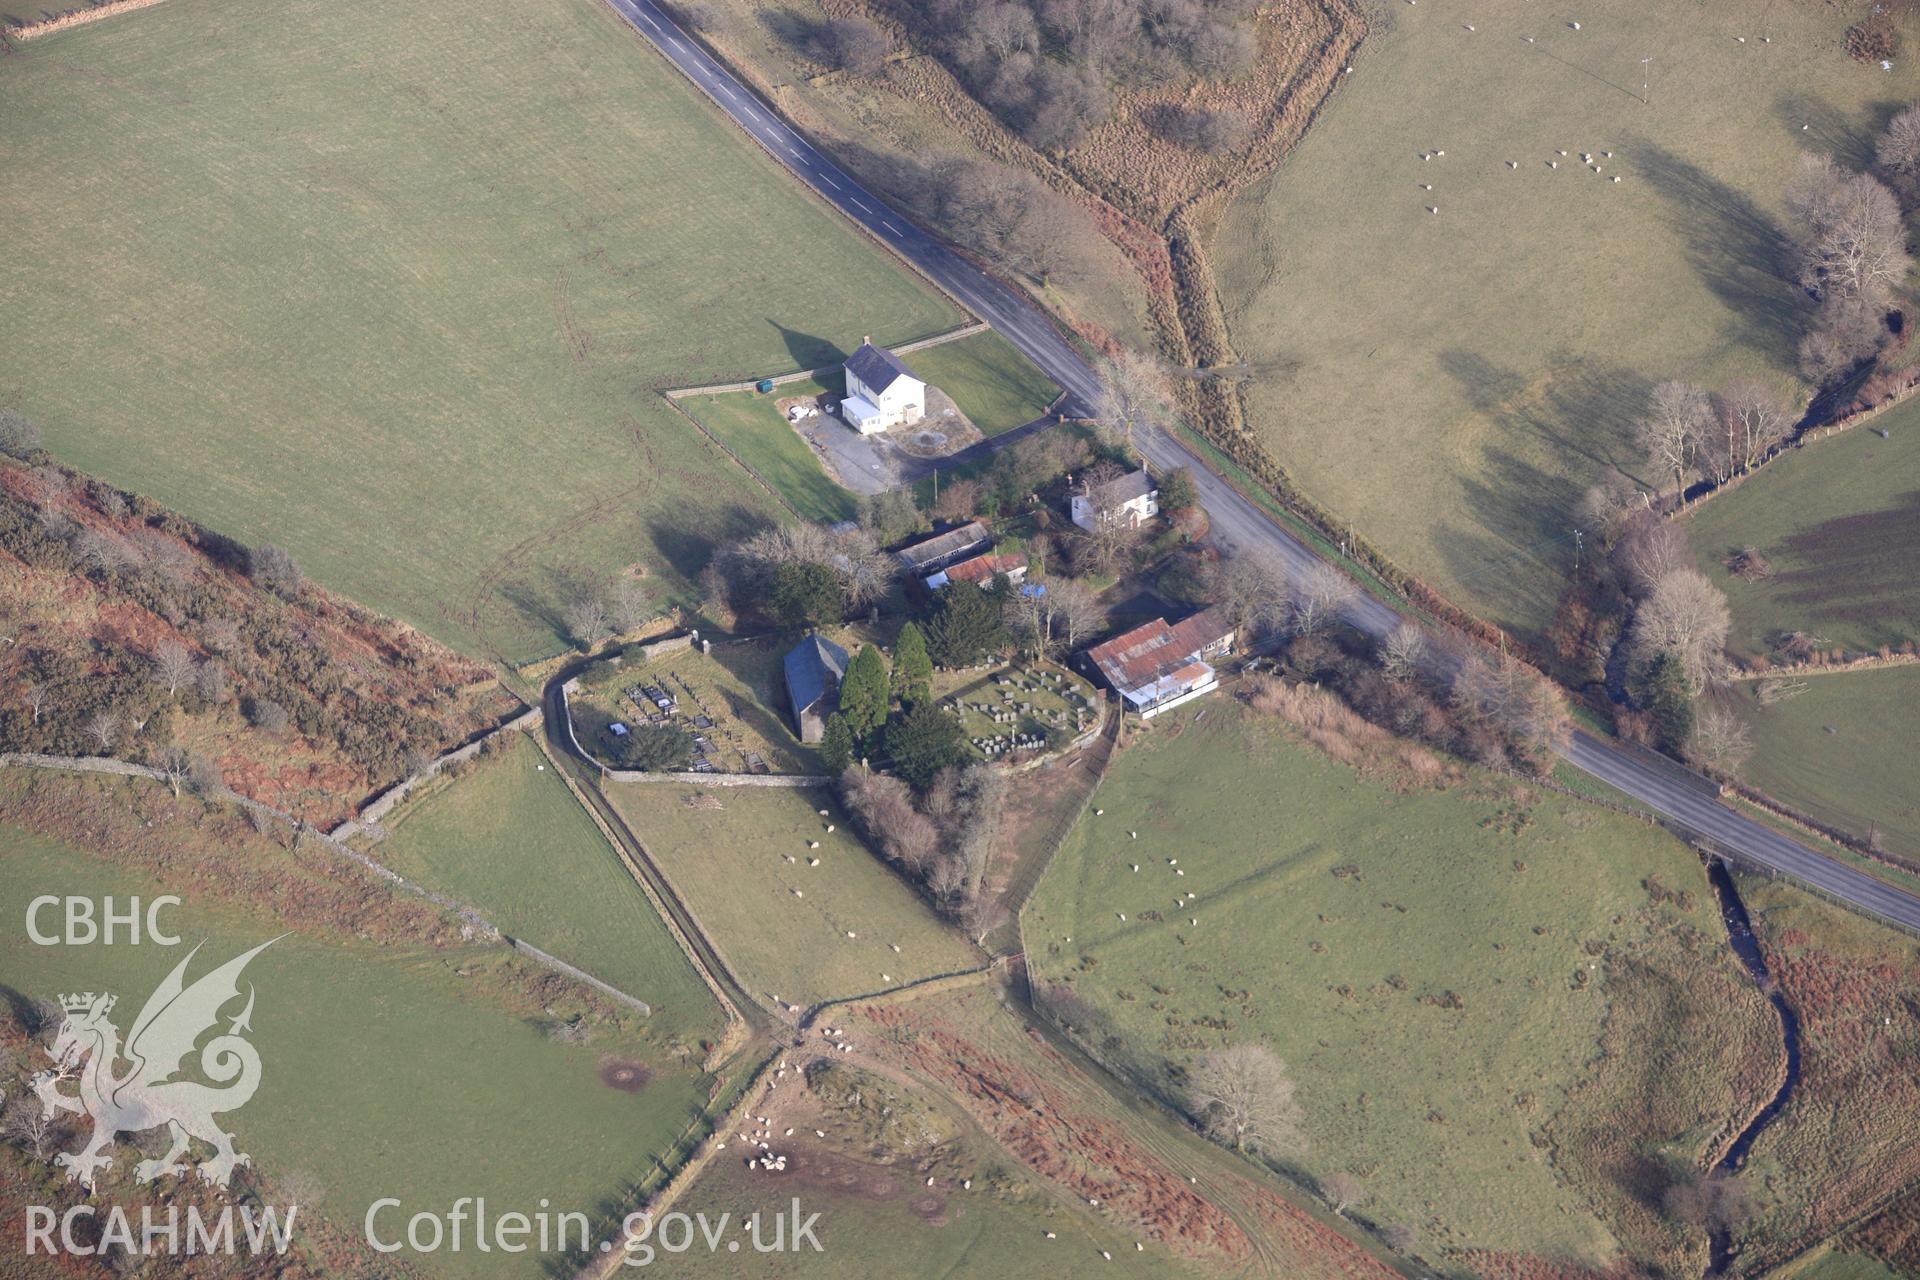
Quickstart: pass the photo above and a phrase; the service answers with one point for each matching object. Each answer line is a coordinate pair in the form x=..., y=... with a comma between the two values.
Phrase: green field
x=1832, y=1264
x=387, y=1071
x=994, y=385
x=1454, y=382
x=511, y=840
x=1448, y=974
x=1841, y=751
x=730, y=865
x=750, y=424
x=1839, y=521
x=392, y=285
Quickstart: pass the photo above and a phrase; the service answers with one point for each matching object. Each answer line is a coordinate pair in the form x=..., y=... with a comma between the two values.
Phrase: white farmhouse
x=1131, y=500
x=881, y=391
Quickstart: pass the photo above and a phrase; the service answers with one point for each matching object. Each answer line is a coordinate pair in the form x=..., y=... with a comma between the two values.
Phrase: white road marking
x=889, y=226
x=828, y=179
x=862, y=207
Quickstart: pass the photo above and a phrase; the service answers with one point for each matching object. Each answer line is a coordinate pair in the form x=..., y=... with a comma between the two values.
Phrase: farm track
x=1238, y=522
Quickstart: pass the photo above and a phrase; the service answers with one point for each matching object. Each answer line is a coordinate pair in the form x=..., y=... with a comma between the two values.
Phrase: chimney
x=866, y=340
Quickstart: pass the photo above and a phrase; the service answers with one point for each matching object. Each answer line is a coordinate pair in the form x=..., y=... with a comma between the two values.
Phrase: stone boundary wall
x=919, y=344
x=1867, y=662
x=691, y=779
x=482, y=927
x=381, y=805
x=73, y=18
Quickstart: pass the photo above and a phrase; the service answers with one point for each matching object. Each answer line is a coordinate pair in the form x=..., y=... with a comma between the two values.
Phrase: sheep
x=1553, y=164
x=1134, y=834
x=1614, y=178
x=894, y=947
x=1050, y=1234
x=886, y=977
x=829, y=828
x=789, y=1133
x=852, y=934
x=1099, y=812
x=813, y=844
x=1180, y=871
x=1136, y=866
x=798, y=894
x=967, y=1184
x=1513, y=164
x=1106, y=1255
x=929, y=1181
x=813, y=862
x=1469, y=26
x=1121, y=914
x=823, y=813
x=1426, y=186
x=1574, y=25
x=819, y=1133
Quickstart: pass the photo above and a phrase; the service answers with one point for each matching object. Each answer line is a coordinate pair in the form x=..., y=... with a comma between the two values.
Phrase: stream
x=1733, y=913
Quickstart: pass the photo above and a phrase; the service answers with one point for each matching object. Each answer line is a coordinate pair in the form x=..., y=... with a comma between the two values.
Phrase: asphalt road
x=1236, y=522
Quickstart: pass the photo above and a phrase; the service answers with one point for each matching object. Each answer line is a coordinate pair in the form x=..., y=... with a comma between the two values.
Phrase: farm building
x=1131, y=500
x=942, y=549
x=814, y=668
x=981, y=570
x=1155, y=667
x=881, y=391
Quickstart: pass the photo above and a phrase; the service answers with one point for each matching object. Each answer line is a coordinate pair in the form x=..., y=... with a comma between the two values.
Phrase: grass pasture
x=400, y=304
x=1453, y=382
x=992, y=383
x=750, y=424
x=510, y=839
x=387, y=1070
x=1839, y=521
x=1842, y=751
x=1460, y=980
x=726, y=852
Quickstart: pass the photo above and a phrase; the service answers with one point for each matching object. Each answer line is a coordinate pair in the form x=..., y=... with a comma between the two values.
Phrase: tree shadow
x=1514, y=540
x=1740, y=253
x=808, y=351
x=1819, y=126
x=689, y=550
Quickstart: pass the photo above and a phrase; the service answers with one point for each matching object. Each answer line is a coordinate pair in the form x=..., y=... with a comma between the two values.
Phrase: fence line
x=780, y=380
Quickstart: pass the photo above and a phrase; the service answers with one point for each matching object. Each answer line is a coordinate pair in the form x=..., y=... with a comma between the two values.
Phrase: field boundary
x=383, y=804
x=1865, y=662
x=795, y=780
x=481, y=926
x=1811, y=436
x=801, y=375
x=78, y=17
x=736, y=1020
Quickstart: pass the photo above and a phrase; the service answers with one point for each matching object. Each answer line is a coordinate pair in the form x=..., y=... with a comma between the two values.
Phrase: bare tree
x=1684, y=615
x=1318, y=597
x=205, y=777
x=586, y=620
x=173, y=765
x=1674, y=429
x=35, y=696
x=1604, y=508
x=1076, y=611
x=627, y=605
x=103, y=727
x=172, y=665
x=29, y=1125
x=1753, y=420
x=1720, y=740
x=1651, y=549
x=1403, y=652
x=856, y=45
x=1136, y=387
x=1257, y=591
x=958, y=502
x=1342, y=1191
x=1897, y=154
x=273, y=569
x=1245, y=1097
x=1852, y=237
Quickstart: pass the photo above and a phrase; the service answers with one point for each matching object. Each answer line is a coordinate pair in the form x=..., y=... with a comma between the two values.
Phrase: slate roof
x=1125, y=489
x=808, y=664
x=943, y=546
x=877, y=367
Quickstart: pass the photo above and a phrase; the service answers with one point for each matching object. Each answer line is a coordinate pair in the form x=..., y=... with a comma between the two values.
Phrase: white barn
x=881, y=391
x=1131, y=500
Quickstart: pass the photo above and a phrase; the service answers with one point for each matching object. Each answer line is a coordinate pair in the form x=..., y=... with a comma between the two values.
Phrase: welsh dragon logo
x=145, y=1095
